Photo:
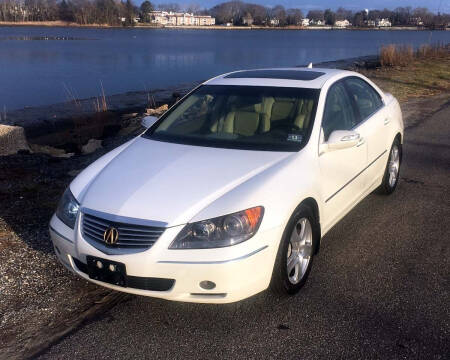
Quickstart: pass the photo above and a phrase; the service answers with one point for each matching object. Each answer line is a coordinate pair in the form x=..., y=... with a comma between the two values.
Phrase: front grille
x=130, y=236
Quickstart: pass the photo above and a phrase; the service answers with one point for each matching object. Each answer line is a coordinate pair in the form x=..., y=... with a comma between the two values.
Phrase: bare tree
x=112, y=11
x=315, y=15
x=279, y=13
x=343, y=14
x=193, y=8
x=175, y=7
x=294, y=16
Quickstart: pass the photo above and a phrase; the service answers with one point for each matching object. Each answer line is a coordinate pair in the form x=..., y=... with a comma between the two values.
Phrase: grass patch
x=425, y=73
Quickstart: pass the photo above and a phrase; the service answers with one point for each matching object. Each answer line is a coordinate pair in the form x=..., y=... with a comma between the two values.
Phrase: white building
x=180, y=19
x=342, y=23
x=304, y=22
x=383, y=23
x=274, y=22
x=317, y=22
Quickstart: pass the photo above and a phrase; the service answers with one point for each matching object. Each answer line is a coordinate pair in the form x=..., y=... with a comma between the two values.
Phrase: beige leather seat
x=258, y=118
x=285, y=108
x=282, y=109
x=243, y=121
x=303, y=116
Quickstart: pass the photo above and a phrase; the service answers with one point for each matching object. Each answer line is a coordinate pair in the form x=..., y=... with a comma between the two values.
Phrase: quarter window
x=367, y=100
x=339, y=113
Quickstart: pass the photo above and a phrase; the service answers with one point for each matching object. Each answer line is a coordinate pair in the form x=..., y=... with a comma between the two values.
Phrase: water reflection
x=32, y=72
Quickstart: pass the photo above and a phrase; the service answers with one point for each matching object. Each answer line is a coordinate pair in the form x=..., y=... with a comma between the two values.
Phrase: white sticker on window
x=295, y=137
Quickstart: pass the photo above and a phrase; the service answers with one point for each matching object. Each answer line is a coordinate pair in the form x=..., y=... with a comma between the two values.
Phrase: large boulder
x=91, y=146
x=12, y=140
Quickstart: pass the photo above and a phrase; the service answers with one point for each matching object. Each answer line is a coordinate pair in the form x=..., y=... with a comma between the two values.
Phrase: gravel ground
x=379, y=286
x=37, y=294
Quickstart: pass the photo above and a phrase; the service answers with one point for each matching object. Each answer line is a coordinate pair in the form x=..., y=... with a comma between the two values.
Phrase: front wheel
x=295, y=253
x=392, y=171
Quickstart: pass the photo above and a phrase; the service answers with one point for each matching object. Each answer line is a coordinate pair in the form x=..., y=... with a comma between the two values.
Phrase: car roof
x=312, y=78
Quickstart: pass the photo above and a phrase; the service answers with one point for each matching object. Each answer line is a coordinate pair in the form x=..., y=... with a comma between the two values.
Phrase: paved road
x=379, y=287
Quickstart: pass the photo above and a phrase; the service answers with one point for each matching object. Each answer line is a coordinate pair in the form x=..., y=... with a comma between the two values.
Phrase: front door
x=373, y=119
x=342, y=171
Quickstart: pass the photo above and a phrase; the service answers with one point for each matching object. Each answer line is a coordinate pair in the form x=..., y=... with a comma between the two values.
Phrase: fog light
x=99, y=264
x=112, y=267
x=207, y=285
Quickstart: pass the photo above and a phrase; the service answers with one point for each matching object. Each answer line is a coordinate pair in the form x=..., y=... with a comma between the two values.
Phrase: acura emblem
x=111, y=235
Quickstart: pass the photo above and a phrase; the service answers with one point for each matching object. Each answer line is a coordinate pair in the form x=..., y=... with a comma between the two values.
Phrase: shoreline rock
x=71, y=124
x=12, y=140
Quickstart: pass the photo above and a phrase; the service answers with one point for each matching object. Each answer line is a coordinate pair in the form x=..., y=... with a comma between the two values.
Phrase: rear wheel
x=392, y=171
x=295, y=253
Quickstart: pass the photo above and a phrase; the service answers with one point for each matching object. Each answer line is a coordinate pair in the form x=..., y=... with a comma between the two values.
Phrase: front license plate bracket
x=108, y=271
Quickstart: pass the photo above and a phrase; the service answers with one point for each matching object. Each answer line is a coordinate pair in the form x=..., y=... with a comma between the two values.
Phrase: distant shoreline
x=212, y=27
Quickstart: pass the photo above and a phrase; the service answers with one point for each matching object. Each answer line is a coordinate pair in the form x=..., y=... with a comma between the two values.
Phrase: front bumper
x=238, y=271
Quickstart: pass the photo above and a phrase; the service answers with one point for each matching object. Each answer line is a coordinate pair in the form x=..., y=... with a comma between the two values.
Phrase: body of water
x=41, y=65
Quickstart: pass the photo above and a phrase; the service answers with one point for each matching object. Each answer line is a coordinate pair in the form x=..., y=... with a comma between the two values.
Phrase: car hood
x=169, y=182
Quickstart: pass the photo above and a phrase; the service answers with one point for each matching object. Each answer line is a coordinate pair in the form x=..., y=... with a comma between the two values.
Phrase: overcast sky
x=433, y=5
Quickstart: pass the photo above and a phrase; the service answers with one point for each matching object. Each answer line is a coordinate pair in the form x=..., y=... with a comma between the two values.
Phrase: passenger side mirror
x=148, y=121
x=342, y=139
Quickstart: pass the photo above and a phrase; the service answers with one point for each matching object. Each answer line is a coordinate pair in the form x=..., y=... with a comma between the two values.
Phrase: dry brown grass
x=403, y=55
x=395, y=55
x=100, y=104
x=426, y=75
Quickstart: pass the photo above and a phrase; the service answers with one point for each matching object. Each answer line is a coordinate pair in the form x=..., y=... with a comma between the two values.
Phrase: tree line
x=125, y=12
x=235, y=11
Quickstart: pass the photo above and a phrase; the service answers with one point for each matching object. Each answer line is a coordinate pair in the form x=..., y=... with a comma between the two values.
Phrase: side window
x=366, y=97
x=338, y=113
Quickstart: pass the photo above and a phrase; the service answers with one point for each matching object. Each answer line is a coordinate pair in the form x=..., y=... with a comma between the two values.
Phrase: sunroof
x=276, y=74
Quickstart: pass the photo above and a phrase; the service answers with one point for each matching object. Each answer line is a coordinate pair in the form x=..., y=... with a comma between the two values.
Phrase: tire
x=284, y=280
x=392, y=171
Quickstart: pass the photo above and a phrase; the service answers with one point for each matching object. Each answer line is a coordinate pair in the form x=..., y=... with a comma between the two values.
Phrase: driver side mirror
x=341, y=139
x=148, y=121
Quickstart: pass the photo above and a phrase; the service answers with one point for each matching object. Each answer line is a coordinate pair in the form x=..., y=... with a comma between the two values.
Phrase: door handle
x=360, y=142
x=387, y=121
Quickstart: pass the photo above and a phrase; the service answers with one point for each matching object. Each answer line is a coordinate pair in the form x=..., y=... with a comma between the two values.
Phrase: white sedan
x=231, y=191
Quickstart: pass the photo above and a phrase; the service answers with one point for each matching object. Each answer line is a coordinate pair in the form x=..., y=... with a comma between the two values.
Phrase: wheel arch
x=312, y=203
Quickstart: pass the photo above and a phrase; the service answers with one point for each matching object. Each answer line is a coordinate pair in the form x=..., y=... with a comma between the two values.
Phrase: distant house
x=417, y=21
x=247, y=20
x=274, y=22
x=342, y=23
x=383, y=23
x=317, y=22
x=370, y=23
x=180, y=19
x=304, y=22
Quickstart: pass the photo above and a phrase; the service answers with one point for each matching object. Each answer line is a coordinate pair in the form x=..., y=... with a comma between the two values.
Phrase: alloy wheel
x=299, y=250
x=394, y=165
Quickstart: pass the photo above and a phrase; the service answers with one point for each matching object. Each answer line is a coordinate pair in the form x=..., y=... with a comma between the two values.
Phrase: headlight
x=221, y=231
x=68, y=208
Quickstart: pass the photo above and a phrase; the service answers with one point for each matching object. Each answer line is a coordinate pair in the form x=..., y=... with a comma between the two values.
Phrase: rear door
x=342, y=171
x=371, y=125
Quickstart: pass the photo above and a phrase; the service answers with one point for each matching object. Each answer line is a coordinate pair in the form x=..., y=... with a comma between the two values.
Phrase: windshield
x=240, y=117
